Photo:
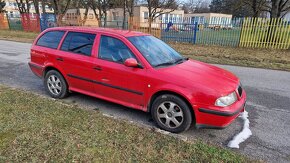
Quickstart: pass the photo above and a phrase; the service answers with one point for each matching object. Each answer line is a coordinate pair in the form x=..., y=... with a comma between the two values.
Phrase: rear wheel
x=55, y=84
x=171, y=113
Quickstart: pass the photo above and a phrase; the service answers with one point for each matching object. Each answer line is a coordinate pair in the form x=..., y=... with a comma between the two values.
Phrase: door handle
x=99, y=68
x=59, y=59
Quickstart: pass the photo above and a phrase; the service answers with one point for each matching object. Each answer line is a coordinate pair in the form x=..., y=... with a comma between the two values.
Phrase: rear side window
x=50, y=39
x=80, y=43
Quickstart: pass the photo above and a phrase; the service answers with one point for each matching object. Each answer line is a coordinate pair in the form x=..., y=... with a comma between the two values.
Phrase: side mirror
x=131, y=62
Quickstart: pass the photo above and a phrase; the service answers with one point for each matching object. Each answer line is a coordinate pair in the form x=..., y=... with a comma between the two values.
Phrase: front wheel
x=55, y=84
x=171, y=113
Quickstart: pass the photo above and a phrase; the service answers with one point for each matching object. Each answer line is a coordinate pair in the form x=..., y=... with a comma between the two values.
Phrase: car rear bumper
x=36, y=69
x=217, y=117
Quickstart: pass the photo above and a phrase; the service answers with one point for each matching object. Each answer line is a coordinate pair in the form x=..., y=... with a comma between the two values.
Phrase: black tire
x=63, y=92
x=180, y=107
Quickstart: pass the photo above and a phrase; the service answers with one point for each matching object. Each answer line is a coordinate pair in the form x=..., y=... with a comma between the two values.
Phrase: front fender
x=171, y=88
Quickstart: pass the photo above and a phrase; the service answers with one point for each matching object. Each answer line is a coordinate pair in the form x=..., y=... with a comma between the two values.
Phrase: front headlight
x=226, y=100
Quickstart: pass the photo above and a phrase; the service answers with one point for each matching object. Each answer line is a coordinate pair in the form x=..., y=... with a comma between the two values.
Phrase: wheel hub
x=54, y=84
x=170, y=114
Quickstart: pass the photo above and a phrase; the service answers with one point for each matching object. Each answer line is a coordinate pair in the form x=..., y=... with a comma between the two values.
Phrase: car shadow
x=215, y=136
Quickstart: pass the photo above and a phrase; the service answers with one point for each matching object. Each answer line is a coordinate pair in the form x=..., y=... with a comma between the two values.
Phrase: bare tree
x=197, y=6
x=36, y=6
x=93, y=5
x=240, y=8
x=185, y=8
x=82, y=4
x=202, y=7
x=2, y=5
x=130, y=8
x=257, y=6
x=157, y=8
x=277, y=8
x=43, y=4
x=102, y=6
x=60, y=7
x=23, y=6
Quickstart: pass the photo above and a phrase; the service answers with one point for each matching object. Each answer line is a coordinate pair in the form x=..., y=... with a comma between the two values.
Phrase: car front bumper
x=217, y=117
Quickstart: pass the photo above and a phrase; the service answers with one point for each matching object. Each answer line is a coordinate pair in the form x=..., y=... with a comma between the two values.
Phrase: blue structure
x=47, y=21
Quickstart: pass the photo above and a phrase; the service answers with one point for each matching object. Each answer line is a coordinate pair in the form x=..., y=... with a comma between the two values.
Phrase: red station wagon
x=139, y=71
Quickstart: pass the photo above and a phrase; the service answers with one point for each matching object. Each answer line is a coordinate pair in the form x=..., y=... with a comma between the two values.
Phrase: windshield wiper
x=164, y=64
x=180, y=60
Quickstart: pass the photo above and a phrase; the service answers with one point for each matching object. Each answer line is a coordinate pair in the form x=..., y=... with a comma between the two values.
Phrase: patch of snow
x=244, y=134
x=108, y=115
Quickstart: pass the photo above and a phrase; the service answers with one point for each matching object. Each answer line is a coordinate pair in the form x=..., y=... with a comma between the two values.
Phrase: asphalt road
x=268, y=105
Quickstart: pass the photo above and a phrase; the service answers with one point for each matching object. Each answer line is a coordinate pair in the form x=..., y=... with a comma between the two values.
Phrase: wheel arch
x=162, y=92
x=50, y=67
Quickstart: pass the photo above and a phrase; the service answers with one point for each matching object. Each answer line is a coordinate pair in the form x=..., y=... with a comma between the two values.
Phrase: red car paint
x=200, y=84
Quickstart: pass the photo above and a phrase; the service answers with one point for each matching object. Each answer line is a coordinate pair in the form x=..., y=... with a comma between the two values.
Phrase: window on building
x=11, y=14
x=91, y=16
x=146, y=15
x=115, y=16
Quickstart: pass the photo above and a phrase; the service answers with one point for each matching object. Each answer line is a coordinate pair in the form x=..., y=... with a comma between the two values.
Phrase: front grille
x=240, y=90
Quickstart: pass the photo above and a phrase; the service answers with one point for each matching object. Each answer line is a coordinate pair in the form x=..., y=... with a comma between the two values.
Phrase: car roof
x=125, y=33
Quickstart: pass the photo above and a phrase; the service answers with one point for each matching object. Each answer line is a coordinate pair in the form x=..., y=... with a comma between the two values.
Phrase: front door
x=119, y=82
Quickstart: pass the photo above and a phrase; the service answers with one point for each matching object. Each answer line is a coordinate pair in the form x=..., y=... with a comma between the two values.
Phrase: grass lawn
x=15, y=35
x=37, y=129
x=248, y=57
x=204, y=37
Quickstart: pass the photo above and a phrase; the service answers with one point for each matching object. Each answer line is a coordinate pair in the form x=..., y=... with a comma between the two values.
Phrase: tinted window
x=50, y=39
x=113, y=49
x=80, y=43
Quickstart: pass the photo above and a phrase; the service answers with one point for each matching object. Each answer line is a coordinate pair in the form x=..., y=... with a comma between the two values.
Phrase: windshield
x=156, y=52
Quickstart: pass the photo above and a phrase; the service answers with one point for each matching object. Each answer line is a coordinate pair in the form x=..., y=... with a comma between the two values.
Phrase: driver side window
x=112, y=49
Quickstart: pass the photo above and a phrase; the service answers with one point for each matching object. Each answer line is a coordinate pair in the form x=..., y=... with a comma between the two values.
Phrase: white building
x=209, y=18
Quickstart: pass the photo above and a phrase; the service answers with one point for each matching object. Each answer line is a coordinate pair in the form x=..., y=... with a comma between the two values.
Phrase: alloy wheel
x=54, y=85
x=170, y=114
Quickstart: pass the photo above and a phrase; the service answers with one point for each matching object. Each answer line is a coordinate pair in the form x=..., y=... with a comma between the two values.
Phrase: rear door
x=76, y=58
x=119, y=82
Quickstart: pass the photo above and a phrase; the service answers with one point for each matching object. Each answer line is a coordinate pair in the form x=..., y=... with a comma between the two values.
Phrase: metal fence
x=30, y=22
x=265, y=33
x=227, y=34
x=178, y=32
x=242, y=32
x=3, y=21
x=15, y=23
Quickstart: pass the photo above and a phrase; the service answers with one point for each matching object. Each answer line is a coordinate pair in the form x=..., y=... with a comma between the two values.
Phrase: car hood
x=195, y=73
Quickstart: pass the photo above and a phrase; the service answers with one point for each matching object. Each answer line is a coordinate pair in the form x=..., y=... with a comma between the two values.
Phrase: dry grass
x=20, y=36
x=248, y=57
x=36, y=129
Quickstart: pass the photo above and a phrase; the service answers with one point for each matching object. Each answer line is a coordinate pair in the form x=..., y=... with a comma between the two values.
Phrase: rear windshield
x=50, y=39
